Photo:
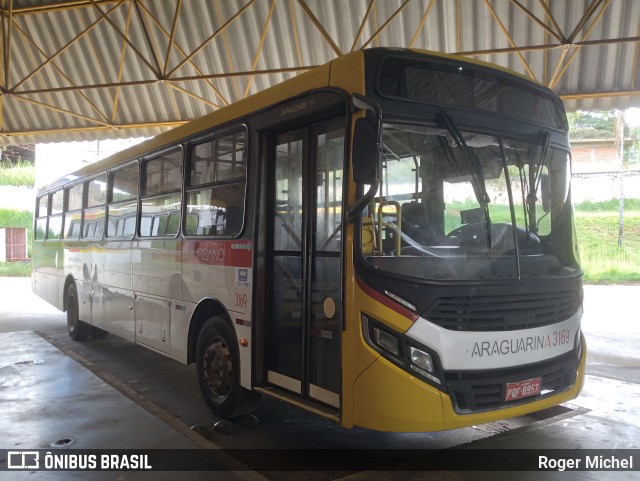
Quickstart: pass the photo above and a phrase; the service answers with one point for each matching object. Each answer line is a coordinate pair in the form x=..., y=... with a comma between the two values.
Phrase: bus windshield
x=458, y=204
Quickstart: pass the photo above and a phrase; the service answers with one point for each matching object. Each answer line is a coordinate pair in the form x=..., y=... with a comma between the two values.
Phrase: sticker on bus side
x=242, y=277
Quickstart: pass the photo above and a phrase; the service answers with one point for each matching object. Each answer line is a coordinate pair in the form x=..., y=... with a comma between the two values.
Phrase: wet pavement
x=114, y=394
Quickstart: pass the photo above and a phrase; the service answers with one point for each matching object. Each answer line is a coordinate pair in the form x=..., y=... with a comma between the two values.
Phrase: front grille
x=502, y=312
x=473, y=391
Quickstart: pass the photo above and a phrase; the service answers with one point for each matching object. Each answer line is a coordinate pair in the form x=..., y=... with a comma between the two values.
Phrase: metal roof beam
x=60, y=71
x=530, y=14
x=598, y=95
x=230, y=57
x=150, y=43
x=64, y=48
x=295, y=30
x=636, y=57
x=260, y=44
x=320, y=28
x=123, y=52
x=164, y=124
x=7, y=45
x=172, y=37
x=58, y=110
x=585, y=18
x=192, y=95
x=550, y=16
x=211, y=38
x=561, y=71
x=362, y=24
x=183, y=53
x=139, y=83
x=510, y=39
x=421, y=25
x=548, y=46
x=459, y=22
x=385, y=24
x=155, y=70
x=56, y=7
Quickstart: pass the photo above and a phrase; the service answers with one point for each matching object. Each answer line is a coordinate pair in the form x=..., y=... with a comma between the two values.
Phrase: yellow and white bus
x=386, y=240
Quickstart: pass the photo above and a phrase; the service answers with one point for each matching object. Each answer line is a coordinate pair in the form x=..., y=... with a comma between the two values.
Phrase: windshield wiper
x=477, y=175
x=512, y=207
x=537, y=179
x=531, y=186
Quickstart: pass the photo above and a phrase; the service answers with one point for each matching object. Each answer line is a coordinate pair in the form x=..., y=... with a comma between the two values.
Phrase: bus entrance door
x=304, y=261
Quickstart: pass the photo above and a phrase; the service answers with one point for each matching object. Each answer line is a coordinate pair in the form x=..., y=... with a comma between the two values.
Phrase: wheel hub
x=217, y=368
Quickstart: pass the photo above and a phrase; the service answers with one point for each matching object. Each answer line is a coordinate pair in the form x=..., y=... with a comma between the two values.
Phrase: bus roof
x=315, y=78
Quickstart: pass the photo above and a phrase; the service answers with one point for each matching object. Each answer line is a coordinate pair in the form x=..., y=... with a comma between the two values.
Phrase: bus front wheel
x=218, y=367
x=78, y=330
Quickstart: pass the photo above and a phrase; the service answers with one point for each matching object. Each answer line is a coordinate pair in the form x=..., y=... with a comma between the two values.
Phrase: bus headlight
x=386, y=341
x=577, y=344
x=396, y=348
x=421, y=359
x=422, y=363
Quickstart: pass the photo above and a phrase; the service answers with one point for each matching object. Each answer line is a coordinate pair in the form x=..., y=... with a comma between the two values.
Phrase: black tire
x=78, y=330
x=97, y=333
x=218, y=369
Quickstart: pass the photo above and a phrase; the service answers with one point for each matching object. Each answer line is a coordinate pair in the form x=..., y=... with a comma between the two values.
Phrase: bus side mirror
x=367, y=143
x=546, y=193
x=366, y=149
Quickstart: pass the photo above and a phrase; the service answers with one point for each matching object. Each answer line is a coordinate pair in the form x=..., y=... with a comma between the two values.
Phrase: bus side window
x=123, y=204
x=55, y=227
x=161, y=197
x=73, y=211
x=41, y=220
x=217, y=184
x=129, y=226
x=94, y=213
x=145, y=225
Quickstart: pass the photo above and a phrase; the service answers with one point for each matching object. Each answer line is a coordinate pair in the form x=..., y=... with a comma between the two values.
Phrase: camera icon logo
x=23, y=459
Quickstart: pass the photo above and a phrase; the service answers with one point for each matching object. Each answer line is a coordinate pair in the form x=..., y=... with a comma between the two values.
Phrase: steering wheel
x=475, y=235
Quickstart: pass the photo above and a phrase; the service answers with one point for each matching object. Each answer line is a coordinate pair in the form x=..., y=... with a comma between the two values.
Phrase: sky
x=57, y=159
x=632, y=116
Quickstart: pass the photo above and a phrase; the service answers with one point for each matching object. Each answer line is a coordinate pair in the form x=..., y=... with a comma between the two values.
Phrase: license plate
x=522, y=389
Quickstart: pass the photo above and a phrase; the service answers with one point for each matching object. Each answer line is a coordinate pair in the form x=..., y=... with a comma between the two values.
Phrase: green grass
x=601, y=258
x=15, y=269
x=597, y=229
x=609, y=206
x=21, y=174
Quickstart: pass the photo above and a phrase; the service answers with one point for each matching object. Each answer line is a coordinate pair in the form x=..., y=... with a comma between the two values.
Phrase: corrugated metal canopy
x=96, y=69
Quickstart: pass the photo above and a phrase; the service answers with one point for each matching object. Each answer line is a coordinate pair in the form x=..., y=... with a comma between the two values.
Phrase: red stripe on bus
x=387, y=301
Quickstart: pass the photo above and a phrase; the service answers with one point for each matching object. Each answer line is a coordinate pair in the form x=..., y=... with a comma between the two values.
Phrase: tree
x=585, y=124
x=594, y=124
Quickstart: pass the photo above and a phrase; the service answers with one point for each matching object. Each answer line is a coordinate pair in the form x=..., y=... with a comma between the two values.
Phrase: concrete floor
x=113, y=394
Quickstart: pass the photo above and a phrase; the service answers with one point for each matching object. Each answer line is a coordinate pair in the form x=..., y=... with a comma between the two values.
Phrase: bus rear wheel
x=218, y=368
x=78, y=330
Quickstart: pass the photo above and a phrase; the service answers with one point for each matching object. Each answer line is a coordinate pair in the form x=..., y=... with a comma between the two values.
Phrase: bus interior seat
x=368, y=236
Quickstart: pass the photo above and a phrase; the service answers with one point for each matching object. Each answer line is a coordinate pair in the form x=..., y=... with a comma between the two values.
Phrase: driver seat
x=415, y=223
